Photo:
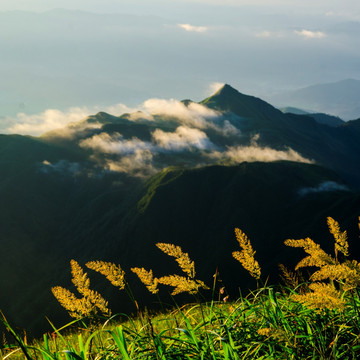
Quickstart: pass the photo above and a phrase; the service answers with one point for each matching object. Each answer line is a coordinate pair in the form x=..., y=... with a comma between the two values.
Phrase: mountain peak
x=229, y=99
x=226, y=90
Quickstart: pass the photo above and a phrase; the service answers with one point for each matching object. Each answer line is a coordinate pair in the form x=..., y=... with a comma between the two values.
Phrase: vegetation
x=317, y=319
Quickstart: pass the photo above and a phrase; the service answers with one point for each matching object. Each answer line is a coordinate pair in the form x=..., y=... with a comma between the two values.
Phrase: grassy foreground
x=316, y=319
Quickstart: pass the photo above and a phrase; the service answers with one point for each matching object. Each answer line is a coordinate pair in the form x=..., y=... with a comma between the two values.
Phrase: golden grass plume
x=90, y=303
x=114, y=273
x=181, y=283
x=246, y=256
x=182, y=258
x=147, y=278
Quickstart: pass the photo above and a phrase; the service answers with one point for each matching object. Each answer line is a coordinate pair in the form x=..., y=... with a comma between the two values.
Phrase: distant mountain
x=294, y=110
x=110, y=187
x=340, y=98
x=320, y=118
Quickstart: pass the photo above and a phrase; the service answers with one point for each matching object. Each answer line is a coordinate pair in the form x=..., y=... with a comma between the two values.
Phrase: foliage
x=246, y=256
x=342, y=276
x=273, y=322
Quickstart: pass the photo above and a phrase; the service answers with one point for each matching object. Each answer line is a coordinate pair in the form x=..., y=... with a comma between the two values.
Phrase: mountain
x=339, y=98
x=198, y=209
x=111, y=187
x=320, y=118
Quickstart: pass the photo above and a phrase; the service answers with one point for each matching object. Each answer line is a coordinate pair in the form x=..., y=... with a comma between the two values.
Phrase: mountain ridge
x=110, y=187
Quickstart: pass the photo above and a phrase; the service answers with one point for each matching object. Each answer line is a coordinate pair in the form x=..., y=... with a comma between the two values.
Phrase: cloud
x=255, y=152
x=194, y=114
x=192, y=28
x=323, y=187
x=71, y=130
x=46, y=121
x=66, y=123
x=114, y=144
x=229, y=129
x=310, y=34
x=183, y=138
x=61, y=166
x=263, y=34
x=214, y=87
x=269, y=34
x=138, y=164
x=52, y=119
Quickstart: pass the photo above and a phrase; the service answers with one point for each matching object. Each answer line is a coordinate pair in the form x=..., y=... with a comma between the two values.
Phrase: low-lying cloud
x=67, y=123
x=183, y=138
x=138, y=164
x=61, y=166
x=46, y=121
x=325, y=186
x=114, y=144
x=194, y=114
x=252, y=153
x=54, y=119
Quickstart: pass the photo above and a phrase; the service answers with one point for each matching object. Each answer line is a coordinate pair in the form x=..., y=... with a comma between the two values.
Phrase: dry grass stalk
x=91, y=302
x=147, y=278
x=182, y=258
x=246, y=256
x=112, y=272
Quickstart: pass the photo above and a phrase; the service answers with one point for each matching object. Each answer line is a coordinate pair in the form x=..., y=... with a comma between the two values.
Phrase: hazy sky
x=343, y=6
x=97, y=60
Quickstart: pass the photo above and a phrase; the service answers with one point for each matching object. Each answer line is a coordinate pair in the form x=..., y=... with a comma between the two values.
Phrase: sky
x=66, y=59
x=114, y=5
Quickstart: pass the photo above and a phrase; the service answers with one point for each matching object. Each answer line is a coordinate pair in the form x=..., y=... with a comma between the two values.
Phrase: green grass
x=298, y=321
x=267, y=324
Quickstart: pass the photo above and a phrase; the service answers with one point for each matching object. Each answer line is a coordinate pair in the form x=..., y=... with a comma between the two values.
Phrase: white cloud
x=114, y=144
x=66, y=123
x=51, y=119
x=323, y=187
x=193, y=28
x=138, y=164
x=194, y=114
x=310, y=34
x=46, y=121
x=183, y=138
x=255, y=152
x=214, y=87
x=269, y=34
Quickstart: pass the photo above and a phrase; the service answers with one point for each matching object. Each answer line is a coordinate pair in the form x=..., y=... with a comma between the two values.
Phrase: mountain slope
x=110, y=187
x=199, y=209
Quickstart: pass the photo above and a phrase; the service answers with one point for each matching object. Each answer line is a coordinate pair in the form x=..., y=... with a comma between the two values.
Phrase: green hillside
x=110, y=187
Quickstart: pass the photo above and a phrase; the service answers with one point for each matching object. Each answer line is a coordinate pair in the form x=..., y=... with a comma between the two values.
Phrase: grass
x=317, y=319
x=267, y=324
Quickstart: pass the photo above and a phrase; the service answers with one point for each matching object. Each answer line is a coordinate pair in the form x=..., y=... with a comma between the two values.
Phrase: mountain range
x=339, y=98
x=111, y=187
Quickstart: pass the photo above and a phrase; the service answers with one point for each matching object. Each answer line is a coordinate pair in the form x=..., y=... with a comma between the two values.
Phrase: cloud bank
x=138, y=164
x=53, y=119
x=193, y=114
x=183, y=138
x=115, y=144
x=239, y=154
